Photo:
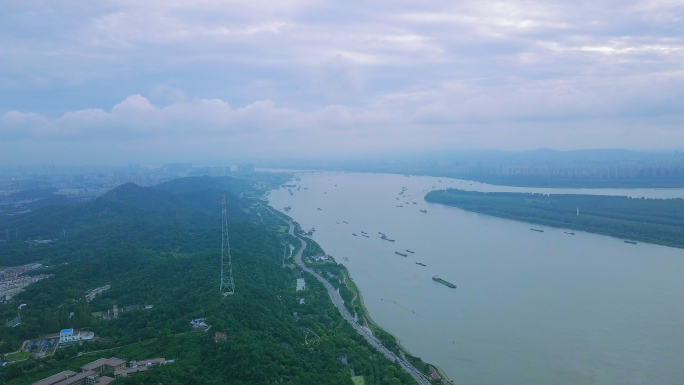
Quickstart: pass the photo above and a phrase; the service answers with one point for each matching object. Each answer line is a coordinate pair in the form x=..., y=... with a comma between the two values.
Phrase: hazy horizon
x=446, y=155
x=155, y=82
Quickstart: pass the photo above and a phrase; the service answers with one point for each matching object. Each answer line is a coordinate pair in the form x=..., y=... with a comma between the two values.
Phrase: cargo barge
x=537, y=230
x=402, y=254
x=443, y=282
x=420, y=263
x=632, y=242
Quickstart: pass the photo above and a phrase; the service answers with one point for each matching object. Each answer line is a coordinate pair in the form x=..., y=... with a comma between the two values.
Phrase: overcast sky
x=151, y=81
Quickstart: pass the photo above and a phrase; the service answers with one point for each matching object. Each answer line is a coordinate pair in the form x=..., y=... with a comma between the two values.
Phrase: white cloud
x=335, y=76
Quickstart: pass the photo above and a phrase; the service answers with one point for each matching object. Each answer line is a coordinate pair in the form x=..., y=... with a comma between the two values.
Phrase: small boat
x=354, y=235
x=409, y=251
x=318, y=208
x=537, y=230
x=569, y=233
x=365, y=235
x=345, y=222
x=400, y=206
x=420, y=263
x=415, y=203
x=631, y=242
x=402, y=254
x=423, y=211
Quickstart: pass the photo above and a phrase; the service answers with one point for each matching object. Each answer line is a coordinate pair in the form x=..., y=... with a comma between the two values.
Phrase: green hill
x=160, y=247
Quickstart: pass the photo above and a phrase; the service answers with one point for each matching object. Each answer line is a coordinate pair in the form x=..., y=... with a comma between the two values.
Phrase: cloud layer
x=262, y=79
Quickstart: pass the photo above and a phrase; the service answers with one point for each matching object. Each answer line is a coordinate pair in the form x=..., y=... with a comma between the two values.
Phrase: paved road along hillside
x=365, y=332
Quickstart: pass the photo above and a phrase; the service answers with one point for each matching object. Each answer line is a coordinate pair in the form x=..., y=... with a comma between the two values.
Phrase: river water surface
x=530, y=307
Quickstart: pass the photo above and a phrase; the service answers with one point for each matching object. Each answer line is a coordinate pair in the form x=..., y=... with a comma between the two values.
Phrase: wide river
x=530, y=307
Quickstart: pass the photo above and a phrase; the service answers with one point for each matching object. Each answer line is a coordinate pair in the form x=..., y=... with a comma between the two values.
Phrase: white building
x=71, y=335
x=66, y=335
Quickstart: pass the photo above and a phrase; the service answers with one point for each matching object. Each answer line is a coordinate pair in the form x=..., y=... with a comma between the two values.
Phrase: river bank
x=376, y=336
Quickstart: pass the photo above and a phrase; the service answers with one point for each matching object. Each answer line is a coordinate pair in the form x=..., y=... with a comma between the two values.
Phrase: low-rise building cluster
x=14, y=281
x=91, y=294
x=115, y=310
x=91, y=373
x=200, y=324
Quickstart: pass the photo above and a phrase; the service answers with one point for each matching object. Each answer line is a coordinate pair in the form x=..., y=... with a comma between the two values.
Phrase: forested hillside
x=159, y=248
x=650, y=220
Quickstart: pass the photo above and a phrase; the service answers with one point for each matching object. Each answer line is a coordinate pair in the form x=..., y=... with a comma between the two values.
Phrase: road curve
x=365, y=332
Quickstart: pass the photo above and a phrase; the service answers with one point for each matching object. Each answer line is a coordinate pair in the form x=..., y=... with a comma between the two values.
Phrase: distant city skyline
x=161, y=81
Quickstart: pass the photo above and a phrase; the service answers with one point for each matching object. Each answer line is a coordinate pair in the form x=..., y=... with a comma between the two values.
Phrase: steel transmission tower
x=227, y=285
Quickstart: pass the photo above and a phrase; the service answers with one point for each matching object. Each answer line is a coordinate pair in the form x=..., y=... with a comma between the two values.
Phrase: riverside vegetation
x=659, y=221
x=160, y=246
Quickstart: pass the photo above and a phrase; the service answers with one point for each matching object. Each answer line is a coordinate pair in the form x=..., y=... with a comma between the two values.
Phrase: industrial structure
x=227, y=286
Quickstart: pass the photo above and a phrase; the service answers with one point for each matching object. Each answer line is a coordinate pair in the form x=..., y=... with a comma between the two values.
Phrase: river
x=530, y=308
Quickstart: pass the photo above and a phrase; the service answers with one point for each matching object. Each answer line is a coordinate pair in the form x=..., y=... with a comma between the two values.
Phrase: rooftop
x=55, y=378
x=153, y=361
x=67, y=331
x=113, y=361
x=131, y=370
x=104, y=380
x=76, y=378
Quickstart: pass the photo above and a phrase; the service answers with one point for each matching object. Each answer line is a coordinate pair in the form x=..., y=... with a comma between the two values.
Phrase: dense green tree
x=160, y=247
x=650, y=220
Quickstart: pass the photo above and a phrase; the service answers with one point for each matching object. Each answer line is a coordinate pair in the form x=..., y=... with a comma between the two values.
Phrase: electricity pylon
x=227, y=286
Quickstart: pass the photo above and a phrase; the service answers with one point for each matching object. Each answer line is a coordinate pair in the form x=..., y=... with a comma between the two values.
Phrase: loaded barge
x=443, y=282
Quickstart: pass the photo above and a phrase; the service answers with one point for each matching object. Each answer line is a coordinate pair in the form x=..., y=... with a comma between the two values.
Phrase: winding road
x=364, y=331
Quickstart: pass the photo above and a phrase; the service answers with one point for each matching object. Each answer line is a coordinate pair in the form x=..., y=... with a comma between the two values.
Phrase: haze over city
x=157, y=81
